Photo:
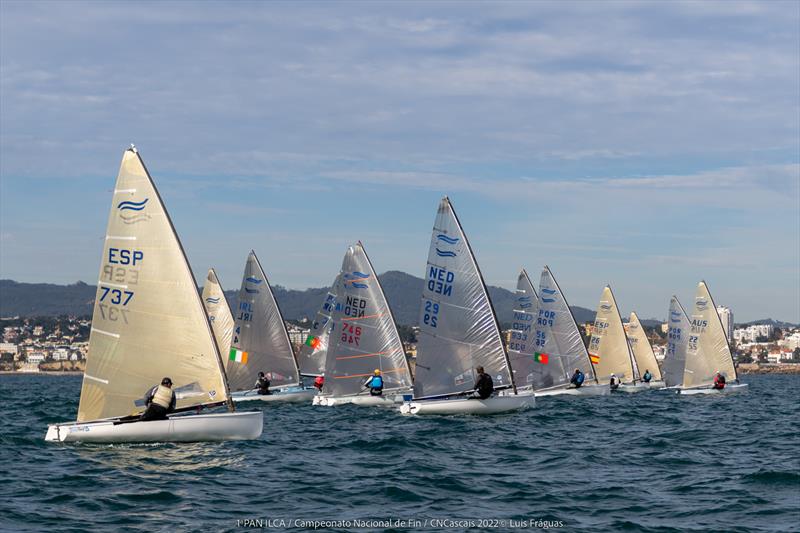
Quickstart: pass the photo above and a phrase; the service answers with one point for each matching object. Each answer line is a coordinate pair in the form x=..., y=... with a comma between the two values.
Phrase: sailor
x=647, y=376
x=484, y=386
x=319, y=382
x=719, y=382
x=375, y=383
x=613, y=382
x=159, y=400
x=577, y=378
x=262, y=384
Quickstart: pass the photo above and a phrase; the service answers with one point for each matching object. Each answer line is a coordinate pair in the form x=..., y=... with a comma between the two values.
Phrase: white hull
x=633, y=387
x=179, y=428
x=729, y=389
x=295, y=395
x=469, y=406
x=585, y=390
x=368, y=401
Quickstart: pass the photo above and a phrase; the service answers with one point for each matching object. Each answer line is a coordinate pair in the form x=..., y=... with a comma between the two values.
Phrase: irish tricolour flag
x=238, y=355
x=540, y=357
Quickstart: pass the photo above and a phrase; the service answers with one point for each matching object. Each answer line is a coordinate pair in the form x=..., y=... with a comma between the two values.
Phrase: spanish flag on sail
x=594, y=358
x=238, y=355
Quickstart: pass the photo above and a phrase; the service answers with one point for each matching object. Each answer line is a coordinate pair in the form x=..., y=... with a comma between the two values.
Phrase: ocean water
x=652, y=461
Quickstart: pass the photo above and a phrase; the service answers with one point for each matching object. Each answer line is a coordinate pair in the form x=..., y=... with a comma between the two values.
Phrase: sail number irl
x=119, y=272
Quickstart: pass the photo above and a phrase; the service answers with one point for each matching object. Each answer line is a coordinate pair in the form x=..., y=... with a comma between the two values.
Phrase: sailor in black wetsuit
x=484, y=386
x=262, y=385
x=160, y=400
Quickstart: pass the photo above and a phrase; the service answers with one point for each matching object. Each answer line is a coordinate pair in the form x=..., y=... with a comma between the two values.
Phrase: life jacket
x=376, y=382
x=579, y=378
x=719, y=382
x=162, y=396
x=647, y=377
x=319, y=381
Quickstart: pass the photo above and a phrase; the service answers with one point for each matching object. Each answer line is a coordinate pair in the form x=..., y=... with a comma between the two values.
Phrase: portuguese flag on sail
x=313, y=341
x=594, y=358
x=238, y=355
x=540, y=357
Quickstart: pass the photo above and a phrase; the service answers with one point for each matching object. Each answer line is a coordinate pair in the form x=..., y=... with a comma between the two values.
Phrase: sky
x=645, y=145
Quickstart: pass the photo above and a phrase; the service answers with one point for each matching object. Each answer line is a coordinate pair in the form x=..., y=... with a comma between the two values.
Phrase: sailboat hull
x=469, y=406
x=586, y=390
x=729, y=389
x=293, y=395
x=635, y=387
x=365, y=401
x=181, y=428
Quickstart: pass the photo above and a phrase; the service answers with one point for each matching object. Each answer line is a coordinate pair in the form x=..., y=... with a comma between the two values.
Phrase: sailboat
x=458, y=332
x=218, y=311
x=558, y=344
x=608, y=347
x=148, y=322
x=677, y=343
x=707, y=351
x=261, y=343
x=643, y=355
x=364, y=338
x=312, y=354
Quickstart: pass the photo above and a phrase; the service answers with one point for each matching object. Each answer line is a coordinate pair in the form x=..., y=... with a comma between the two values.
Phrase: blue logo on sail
x=254, y=280
x=355, y=279
x=605, y=307
x=129, y=205
x=701, y=303
x=675, y=316
x=445, y=253
x=212, y=300
x=524, y=302
x=448, y=240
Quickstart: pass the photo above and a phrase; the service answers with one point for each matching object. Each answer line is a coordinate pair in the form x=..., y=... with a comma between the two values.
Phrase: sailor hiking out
x=375, y=383
x=160, y=400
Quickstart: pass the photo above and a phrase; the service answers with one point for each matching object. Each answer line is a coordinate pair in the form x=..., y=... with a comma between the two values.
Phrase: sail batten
x=609, y=345
x=312, y=354
x=463, y=333
x=153, y=324
x=260, y=340
x=364, y=336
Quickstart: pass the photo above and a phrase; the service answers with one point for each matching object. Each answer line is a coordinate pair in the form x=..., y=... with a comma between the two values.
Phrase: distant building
x=665, y=327
x=297, y=335
x=751, y=333
x=8, y=347
x=726, y=316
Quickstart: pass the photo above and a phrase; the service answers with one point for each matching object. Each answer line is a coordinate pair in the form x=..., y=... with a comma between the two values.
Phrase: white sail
x=218, y=311
x=458, y=326
x=677, y=342
x=707, y=347
x=642, y=350
x=364, y=336
x=148, y=320
x=527, y=363
x=312, y=354
x=609, y=345
x=558, y=336
x=260, y=340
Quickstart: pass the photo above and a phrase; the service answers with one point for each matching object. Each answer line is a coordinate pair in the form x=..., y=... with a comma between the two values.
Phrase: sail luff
x=522, y=346
x=708, y=350
x=608, y=343
x=218, y=310
x=677, y=337
x=311, y=358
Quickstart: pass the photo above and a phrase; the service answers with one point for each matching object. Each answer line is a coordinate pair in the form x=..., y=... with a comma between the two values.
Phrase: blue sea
x=653, y=461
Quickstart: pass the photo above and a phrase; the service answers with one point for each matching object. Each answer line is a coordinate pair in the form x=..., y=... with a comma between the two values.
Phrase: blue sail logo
x=254, y=280
x=128, y=217
x=452, y=241
x=524, y=302
x=549, y=292
x=356, y=279
x=605, y=307
x=212, y=300
x=448, y=240
x=675, y=316
x=701, y=303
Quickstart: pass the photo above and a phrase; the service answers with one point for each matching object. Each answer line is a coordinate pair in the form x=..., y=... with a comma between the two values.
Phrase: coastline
x=751, y=368
x=42, y=372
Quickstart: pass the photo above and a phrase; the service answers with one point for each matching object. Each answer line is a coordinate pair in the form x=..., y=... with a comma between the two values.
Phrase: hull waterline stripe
x=103, y=381
x=115, y=335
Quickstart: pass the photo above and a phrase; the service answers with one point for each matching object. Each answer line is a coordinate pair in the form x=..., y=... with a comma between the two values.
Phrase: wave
x=133, y=206
x=448, y=240
x=444, y=253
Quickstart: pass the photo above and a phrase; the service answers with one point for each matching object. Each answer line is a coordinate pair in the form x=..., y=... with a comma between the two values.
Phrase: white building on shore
x=726, y=316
